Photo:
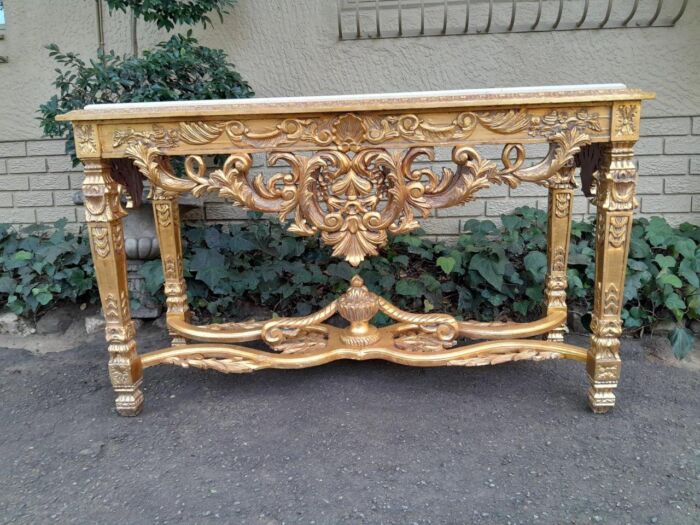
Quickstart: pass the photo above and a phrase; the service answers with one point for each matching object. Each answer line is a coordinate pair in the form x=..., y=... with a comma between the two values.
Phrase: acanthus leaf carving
x=617, y=233
x=355, y=201
x=352, y=131
x=100, y=241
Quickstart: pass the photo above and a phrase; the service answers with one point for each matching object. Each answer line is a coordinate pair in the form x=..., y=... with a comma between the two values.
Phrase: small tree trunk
x=134, y=35
x=100, y=30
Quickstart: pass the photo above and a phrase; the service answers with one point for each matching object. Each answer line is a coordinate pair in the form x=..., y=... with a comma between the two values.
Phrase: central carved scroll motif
x=355, y=201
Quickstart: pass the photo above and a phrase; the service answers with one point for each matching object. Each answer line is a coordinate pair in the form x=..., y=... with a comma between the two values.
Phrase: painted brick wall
x=37, y=183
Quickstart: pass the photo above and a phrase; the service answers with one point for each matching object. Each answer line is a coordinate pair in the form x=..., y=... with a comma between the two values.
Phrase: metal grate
x=358, y=19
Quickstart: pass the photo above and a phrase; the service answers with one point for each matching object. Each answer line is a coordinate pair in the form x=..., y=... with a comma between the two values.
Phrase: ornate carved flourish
x=617, y=232
x=616, y=182
x=355, y=201
x=116, y=309
x=417, y=342
x=557, y=121
x=496, y=359
x=561, y=205
x=85, y=140
x=100, y=241
x=358, y=305
x=350, y=132
x=101, y=194
x=158, y=137
x=163, y=212
x=559, y=261
x=611, y=304
x=306, y=342
x=626, y=116
x=236, y=365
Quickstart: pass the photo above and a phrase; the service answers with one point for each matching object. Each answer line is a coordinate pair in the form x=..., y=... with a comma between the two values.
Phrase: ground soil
x=348, y=442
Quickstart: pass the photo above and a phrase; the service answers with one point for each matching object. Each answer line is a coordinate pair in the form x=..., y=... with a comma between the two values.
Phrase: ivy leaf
x=212, y=275
x=7, y=284
x=42, y=297
x=212, y=236
x=633, y=284
x=637, y=266
x=669, y=278
x=447, y=264
x=694, y=305
x=665, y=261
x=536, y=264
x=684, y=246
x=401, y=259
x=491, y=270
x=658, y=231
x=682, y=341
x=152, y=273
x=409, y=287
x=686, y=271
x=521, y=307
x=674, y=302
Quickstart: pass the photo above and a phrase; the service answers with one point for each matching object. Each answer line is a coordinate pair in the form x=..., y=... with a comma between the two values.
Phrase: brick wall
x=37, y=183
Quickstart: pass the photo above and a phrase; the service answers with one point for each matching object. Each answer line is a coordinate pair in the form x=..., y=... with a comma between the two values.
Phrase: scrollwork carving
x=353, y=202
x=352, y=132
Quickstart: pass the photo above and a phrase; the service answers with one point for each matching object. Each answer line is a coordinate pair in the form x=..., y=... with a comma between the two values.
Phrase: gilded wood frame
x=350, y=178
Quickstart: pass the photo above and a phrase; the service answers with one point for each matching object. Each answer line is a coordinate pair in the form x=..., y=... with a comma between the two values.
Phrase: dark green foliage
x=40, y=267
x=488, y=273
x=178, y=69
x=167, y=13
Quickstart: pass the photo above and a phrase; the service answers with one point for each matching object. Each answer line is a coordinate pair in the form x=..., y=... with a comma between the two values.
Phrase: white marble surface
x=369, y=96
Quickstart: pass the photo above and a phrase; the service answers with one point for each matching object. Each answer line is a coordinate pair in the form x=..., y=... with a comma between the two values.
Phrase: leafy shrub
x=488, y=273
x=167, y=13
x=178, y=69
x=40, y=267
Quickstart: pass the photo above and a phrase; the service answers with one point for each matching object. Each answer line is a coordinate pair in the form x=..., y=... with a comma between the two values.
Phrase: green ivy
x=40, y=267
x=178, y=69
x=167, y=13
x=488, y=273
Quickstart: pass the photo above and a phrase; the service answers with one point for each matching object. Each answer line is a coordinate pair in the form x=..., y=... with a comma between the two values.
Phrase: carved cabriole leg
x=615, y=201
x=560, y=210
x=104, y=218
x=167, y=217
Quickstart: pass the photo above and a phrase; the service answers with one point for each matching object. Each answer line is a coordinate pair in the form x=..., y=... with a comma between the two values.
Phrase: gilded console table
x=347, y=171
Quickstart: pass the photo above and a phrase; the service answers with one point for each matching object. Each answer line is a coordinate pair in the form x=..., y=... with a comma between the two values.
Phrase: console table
x=347, y=172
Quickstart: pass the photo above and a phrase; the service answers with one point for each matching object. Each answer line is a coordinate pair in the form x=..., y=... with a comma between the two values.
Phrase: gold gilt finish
x=354, y=171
